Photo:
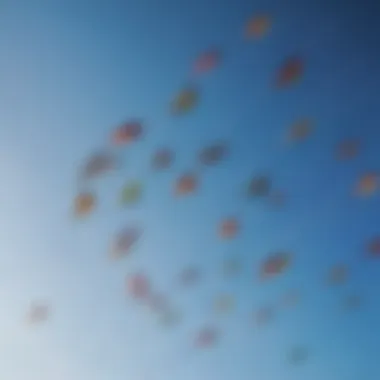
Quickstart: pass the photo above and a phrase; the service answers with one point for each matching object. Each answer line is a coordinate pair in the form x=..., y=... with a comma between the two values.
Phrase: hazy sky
x=70, y=71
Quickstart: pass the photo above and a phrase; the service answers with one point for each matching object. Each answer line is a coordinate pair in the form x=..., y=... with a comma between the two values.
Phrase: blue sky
x=70, y=71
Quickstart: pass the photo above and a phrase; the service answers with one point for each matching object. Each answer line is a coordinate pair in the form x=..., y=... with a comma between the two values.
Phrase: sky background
x=70, y=72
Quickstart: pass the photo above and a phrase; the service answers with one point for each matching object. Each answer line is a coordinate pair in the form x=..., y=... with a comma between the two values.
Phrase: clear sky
x=71, y=71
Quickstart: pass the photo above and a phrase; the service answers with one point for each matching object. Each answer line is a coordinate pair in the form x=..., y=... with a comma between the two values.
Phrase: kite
x=138, y=286
x=298, y=355
x=207, y=61
x=229, y=228
x=125, y=241
x=290, y=72
x=258, y=26
x=275, y=264
x=162, y=159
x=300, y=130
x=127, y=133
x=338, y=274
x=185, y=101
x=97, y=165
x=367, y=185
x=259, y=186
x=213, y=154
x=189, y=276
x=374, y=247
x=224, y=303
x=347, y=149
x=38, y=313
x=131, y=193
x=264, y=315
x=206, y=337
x=186, y=184
x=84, y=204
x=352, y=302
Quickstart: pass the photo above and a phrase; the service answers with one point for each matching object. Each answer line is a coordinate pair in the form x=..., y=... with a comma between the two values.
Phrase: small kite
x=290, y=72
x=263, y=316
x=259, y=186
x=162, y=159
x=186, y=184
x=298, y=355
x=229, y=228
x=275, y=264
x=125, y=241
x=258, y=26
x=338, y=274
x=131, y=193
x=206, y=337
x=38, y=313
x=367, y=185
x=127, y=133
x=374, y=247
x=138, y=286
x=300, y=130
x=185, y=101
x=224, y=303
x=97, y=165
x=207, y=61
x=84, y=204
x=352, y=302
x=213, y=154
x=189, y=276
x=347, y=149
